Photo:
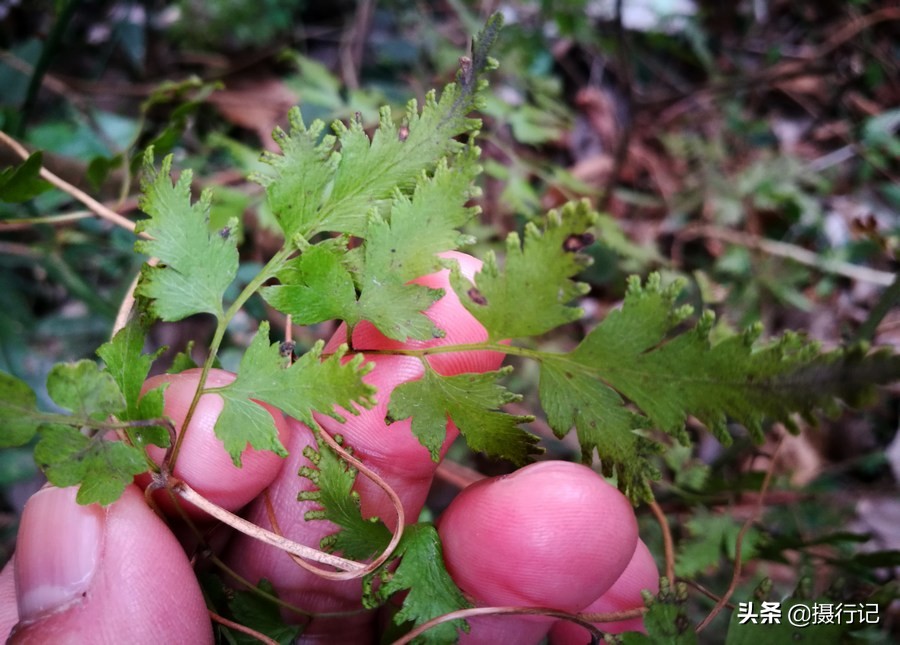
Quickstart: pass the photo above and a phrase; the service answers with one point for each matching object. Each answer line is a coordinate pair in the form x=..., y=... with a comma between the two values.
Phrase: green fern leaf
x=531, y=294
x=472, y=402
x=358, y=538
x=308, y=385
x=670, y=377
x=331, y=184
x=196, y=265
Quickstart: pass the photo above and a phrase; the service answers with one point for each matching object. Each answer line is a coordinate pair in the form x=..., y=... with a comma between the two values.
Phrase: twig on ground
x=792, y=252
x=621, y=154
x=886, y=303
x=739, y=543
x=92, y=204
x=353, y=43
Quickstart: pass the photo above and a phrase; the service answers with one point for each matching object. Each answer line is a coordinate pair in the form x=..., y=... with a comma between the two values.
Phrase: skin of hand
x=117, y=574
x=640, y=574
x=560, y=537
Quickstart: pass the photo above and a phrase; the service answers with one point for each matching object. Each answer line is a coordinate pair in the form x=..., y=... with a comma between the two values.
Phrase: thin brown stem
x=395, y=500
x=92, y=204
x=151, y=502
x=21, y=250
x=288, y=329
x=613, y=616
x=159, y=483
x=382, y=484
x=472, y=612
x=25, y=223
x=300, y=562
x=739, y=543
x=620, y=157
x=269, y=270
x=262, y=638
x=128, y=301
x=457, y=475
x=794, y=253
x=234, y=575
x=267, y=537
x=668, y=543
x=102, y=211
x=706, y=592
x=855, y=26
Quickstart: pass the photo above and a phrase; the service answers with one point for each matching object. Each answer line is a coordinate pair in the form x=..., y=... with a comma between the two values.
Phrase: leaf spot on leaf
x=476, y=296
x=575, y=242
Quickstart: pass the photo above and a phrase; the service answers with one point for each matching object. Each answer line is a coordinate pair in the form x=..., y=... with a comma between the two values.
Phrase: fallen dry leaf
x=257, y=104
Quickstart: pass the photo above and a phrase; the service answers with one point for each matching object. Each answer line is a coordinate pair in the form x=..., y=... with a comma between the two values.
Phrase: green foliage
x=424, y=179
x=298, y=389
x=257, y=612
x=431, y=590
x=363, y=215
x=129, y=367
x=183, y=360
x=688, y=472
x=23, y=182
x=315, y=286
x=327, y=183
x=602, y=422
x=421, y=571
x=196, y=265
x=668, y=377
x=358, y=537
x=666, y=621
x=78, y=448
x=320, y=284
x=711, y=537
x=101, y=468
x=17, y=405
x=85, y=390
x=232, y=23
x=471, y=402
x=531, y=294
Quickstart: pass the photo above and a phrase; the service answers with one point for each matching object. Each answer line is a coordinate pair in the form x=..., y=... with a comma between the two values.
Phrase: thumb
x=90, y=574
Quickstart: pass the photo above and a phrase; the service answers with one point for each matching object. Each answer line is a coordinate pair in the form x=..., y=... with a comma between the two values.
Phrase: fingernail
x=57, y=551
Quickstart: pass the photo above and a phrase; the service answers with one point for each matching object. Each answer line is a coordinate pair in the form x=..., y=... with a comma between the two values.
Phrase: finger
x=390, y=450
x=393, y=453
x=553, y=534
x=202, y=460
x=641, y=574
x=9, y=614
x=448, y=314
x=309, y=593
x=90, y=574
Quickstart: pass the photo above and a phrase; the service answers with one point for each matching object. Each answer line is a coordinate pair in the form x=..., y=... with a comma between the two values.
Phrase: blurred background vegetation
x=752, y=147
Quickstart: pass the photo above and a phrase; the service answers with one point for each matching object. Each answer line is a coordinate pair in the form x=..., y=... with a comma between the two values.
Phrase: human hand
x=551, y=535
